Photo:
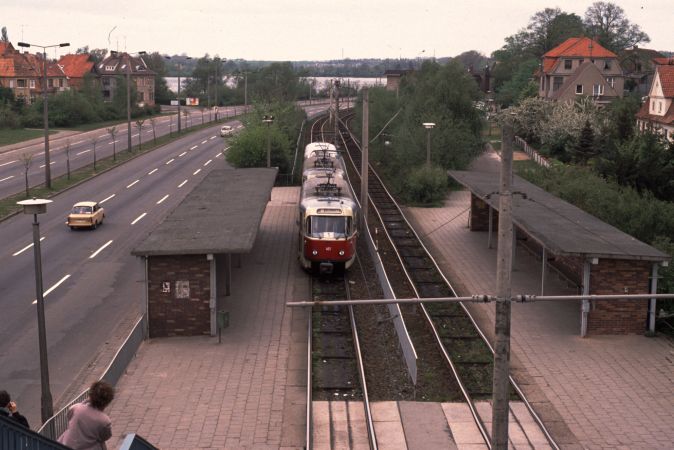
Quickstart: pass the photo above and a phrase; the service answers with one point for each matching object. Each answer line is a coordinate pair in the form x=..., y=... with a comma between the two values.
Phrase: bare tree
x=139, y=125
x=67, y=152
x=153, y=123
x=187, y=115
x=202, y=116
x=93, y=141
x=607, y=22
x=113, y=132
x=26, y=159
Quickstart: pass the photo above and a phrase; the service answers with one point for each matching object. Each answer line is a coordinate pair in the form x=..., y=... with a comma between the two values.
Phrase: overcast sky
x=300, y=29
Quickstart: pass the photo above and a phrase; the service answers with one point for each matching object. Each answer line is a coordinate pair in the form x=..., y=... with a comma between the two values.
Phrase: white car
x=226, y=130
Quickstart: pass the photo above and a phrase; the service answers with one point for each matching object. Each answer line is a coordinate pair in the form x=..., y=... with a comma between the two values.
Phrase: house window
x=151, y=96
x=50, y=82
x=610, y=81
x=21, y=83
x=598, y=89
x=567, y=64
x=607, y=65
x=579, y=89
x=659, y=107
x=557, y=83
x=580, y=61
x=141, y=96
x=32, y=84
x=11, y=83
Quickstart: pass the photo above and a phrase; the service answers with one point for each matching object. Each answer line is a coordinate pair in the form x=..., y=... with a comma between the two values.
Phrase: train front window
x=327, y=226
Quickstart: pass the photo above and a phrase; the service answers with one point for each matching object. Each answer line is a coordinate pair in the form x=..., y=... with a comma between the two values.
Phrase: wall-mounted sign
x=192, y=101
x=182, y=289
x=174, y=102
x=166, y=286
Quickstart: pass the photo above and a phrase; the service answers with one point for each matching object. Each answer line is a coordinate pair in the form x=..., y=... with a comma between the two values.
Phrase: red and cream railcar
x=328, y=219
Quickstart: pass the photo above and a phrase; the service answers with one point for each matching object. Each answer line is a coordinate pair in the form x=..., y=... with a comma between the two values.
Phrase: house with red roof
x=76, y=67
x=23, y=73
x=118, y=65
x=581, y=67
x=657, y=112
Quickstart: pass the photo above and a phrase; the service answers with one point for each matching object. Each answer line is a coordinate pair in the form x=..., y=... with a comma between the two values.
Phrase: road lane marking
x=204, y=141
x=106, y=199
x=93, y=255
x=84, y=151
x=134, y=135
x=213, y=137
x=207, y=162
x=113, y=142
x=193, y=147
x=132, y=184
x=152, y=171
x=182, y=184
x=7, y=178
x=182, y=154
x=78, y=142
x=103, y=135
x=170, y=161
x=26, y=248
x=138, y=218
x=42, y=166
x=10, y=162
x=196, y=171
x=217, y=155
x=162, y=199
x=48, y=291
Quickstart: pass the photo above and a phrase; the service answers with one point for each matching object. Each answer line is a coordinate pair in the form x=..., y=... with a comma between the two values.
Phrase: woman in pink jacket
x=88, y=426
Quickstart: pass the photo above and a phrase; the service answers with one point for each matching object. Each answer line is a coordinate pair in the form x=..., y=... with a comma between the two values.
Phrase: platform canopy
x=557, y=225
x=221, y=215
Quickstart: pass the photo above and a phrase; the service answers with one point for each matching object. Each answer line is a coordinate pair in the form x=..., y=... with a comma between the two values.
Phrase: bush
x=425, y=185
x=249, y=149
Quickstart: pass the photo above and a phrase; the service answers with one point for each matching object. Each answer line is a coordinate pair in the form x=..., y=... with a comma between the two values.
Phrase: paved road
x=90, y=279
x=12, y=178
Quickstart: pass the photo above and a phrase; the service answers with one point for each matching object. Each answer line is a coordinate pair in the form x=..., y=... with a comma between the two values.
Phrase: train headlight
x=315, y=252
x=341, y=253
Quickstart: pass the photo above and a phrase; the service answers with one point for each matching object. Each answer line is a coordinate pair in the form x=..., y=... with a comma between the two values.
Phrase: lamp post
x=47, y=169
x=429, y=126
x=268, y=120
x=35, y=207
x=180, y=69
x=128, y=98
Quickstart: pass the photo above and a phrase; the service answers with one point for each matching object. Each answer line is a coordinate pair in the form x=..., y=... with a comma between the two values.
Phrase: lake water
x=321, y=82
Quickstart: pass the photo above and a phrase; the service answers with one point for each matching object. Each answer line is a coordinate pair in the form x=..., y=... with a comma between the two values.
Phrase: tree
x=584, y=149
x=5, y=37
x=549, y=28
x=112, y=131
x=66, y=149
x=153, y=123
x=157, y=63
x=139, y=125
x=607, y=22
x=95, y=54
x=26, y=159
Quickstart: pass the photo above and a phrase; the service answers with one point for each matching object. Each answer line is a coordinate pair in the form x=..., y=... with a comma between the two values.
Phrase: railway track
x=464, y=347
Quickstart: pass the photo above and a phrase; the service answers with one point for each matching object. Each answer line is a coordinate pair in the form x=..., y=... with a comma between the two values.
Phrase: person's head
x=4, y=399
x=101, y=394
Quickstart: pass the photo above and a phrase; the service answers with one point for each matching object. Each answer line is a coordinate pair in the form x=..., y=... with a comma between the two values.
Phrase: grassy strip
x=8, y=206
x=116, y=122
x=12, y=136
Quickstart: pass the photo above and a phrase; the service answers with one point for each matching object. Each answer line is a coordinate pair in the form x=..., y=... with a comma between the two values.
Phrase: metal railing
x=533, y=154
x=14, y=436
x=57, y=424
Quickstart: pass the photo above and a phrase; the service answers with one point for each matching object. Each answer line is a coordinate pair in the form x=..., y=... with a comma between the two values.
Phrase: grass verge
x=12, y=136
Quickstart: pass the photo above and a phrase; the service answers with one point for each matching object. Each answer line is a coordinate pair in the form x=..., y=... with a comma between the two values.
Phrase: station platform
x=596, y=392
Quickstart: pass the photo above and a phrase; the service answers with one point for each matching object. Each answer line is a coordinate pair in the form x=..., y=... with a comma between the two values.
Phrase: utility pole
x=364, y=163
x=504, y=260
x=128, y=101
x=337, y=83
x=217, y=73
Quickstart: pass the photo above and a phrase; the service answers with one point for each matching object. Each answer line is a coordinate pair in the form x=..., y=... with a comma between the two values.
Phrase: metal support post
x=585, y=306
x=45, y=112
x=543, y=270
x=491, y=226
x=128, y=102
x=652, y=305
x=179, y=69
x=364, y=163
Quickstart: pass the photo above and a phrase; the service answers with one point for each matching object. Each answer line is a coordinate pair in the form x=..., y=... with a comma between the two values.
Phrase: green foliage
x=443, y=94
x=584, y=149
x=249, y=148
x=607, y=22
x=157, y=63
x=425, y=185
x=520, y=86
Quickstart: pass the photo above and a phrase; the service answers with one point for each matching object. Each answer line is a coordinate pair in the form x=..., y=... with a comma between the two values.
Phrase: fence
x=533, y=154
x=56, y=425
x=14, y=436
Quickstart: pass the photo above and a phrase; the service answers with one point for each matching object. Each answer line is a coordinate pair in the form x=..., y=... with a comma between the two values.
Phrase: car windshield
x=81, y=209
x=326, y=226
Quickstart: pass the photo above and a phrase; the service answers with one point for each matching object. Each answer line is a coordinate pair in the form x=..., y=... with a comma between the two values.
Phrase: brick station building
x=593, y=256
x=189, y=256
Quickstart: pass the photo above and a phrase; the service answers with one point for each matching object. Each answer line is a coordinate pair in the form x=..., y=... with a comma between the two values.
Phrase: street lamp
x=47, y=169
x=35, y=207
x=268, y=120
x=180, y=69
x=429, y=126
x=128, y=97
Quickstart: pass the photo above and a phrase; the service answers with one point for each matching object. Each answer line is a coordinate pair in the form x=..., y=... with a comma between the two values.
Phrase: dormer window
x=567, y=64
x=110, y=68
x=607, y=65
x=610, y=81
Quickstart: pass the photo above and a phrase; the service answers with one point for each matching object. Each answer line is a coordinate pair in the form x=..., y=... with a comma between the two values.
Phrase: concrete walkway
x=250, y=390
x=601, y=392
